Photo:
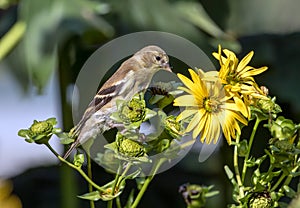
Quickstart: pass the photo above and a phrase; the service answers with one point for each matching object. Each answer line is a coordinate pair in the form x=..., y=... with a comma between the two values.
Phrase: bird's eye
x=158, y=58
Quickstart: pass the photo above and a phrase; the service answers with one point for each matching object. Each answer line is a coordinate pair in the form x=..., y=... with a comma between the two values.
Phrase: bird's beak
x=166, y=66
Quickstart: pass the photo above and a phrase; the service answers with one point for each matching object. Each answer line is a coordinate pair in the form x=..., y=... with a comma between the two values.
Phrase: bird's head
x=153, y=57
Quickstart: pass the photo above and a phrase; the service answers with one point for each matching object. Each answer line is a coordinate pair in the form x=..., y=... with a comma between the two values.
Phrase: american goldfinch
x=133, y=76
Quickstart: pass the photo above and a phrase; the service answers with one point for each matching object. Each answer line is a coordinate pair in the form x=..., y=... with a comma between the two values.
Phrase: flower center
x=232, y=79
x=210, y=105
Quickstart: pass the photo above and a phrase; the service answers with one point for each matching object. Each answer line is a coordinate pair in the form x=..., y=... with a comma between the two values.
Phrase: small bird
x=133, y=76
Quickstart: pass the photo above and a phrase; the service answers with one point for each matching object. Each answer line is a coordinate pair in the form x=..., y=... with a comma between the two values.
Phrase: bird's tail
x=74, y=132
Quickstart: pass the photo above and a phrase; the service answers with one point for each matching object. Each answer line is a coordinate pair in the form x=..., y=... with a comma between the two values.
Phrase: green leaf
x=212, y=193
x=65, y=138
x=48, y=24
x=93, y=196
x=52, y=121
x=149, y=114
x=24, y=133
x=11, y=38
x=261, y=17
x=134, y=174
x=230, y=176
x=295, y=174
x=155, y=99
x=140, y=182
x=196, y=14
x=289, y=191
x=243, y=148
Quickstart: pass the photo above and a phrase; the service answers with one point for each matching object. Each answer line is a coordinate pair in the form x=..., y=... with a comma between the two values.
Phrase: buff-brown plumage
x=133, y=76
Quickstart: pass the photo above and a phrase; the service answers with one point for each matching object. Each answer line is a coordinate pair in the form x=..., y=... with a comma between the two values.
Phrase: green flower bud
x=261, y=200
x=78, y=160
x=40, y=131
x=133, y=111
x=243, y=148
x=264, y=108
x=194, y=195
x=269, y=106
x=283, y=128
x=173, y=127
x=284, y=145
x=41, y=127
x=129, y=147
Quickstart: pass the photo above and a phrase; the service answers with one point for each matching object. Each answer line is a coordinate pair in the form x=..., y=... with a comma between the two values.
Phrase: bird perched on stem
x=133, y=76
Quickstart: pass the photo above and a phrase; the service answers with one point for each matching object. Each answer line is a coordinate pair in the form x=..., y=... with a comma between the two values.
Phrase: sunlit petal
x=245, y=61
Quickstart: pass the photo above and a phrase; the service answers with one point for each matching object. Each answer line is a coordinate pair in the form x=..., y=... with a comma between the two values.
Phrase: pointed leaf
x=93, y=196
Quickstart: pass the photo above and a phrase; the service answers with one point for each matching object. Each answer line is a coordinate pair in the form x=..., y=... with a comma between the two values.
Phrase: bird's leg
x=142, y=136
x=112, y=125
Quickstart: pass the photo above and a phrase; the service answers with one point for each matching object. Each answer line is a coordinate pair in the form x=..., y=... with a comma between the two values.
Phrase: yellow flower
x=7, y=200
x=237, y=78
x=209, y=109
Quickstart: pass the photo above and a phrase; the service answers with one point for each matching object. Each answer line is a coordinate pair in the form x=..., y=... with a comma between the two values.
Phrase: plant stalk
x=257, y=121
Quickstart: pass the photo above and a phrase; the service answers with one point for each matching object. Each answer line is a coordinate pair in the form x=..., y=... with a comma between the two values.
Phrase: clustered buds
x=129, y=147
x=40, y=131
x=173, y=127
x=261, y=200
x=283, y=128
x=133, y=111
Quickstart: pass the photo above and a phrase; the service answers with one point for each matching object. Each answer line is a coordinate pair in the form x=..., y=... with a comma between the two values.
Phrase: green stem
x=290, y=177
x=278, y=182
x=118, y=202
x=51, y=149
x=110, y=203
x=257, y=121
x=82, y=174
x=116, y=179
x=236, y=167
x=90, y=175
x=146, y=183
x=142, y=191
x=124, y=173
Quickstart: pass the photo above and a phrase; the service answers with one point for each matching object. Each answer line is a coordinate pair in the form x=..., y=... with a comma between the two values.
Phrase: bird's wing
x=103, y=98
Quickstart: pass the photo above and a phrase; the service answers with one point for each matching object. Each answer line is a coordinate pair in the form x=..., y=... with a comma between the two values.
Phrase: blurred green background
x=51, y=39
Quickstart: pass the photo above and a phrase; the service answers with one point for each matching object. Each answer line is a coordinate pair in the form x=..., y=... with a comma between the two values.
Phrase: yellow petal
x=245, y=61
x=185, y=90
x=215, y=130
x=241, y=106
x=195, y=120
x=200, y=125
x=238, y=117
x=185, y=114
x=186, y=81
x=254, y=72
x=194, y=76
x=206, y=129
x=185, y=100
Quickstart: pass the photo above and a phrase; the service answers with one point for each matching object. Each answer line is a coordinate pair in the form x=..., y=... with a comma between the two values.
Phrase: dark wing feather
x=103, y=97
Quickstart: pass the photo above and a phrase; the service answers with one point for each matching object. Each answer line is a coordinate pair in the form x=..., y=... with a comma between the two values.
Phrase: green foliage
x=282, y=156
x=126, y=153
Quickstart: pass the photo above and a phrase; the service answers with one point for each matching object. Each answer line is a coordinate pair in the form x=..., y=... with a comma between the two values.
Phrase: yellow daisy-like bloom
x=237, y=78
x=209, y=109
